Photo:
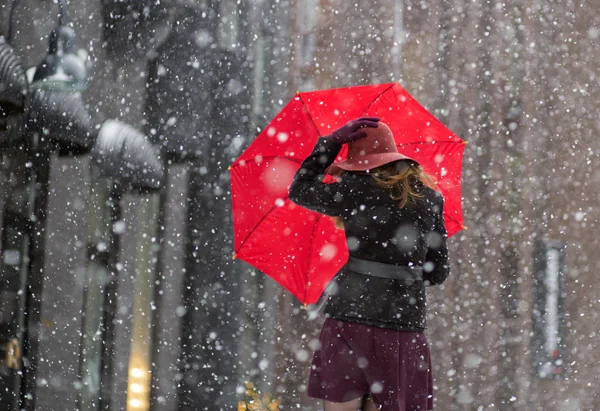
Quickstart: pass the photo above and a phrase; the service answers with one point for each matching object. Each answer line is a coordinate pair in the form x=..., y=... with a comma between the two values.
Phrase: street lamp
x=61, y=69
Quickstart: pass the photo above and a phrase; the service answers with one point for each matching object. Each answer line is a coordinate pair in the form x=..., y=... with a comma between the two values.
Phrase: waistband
x=382, y=270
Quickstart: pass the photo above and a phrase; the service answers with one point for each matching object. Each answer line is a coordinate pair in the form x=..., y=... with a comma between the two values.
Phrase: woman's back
x=378, y=229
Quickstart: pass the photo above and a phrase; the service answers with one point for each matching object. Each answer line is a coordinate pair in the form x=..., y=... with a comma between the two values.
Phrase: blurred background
x=118, y=290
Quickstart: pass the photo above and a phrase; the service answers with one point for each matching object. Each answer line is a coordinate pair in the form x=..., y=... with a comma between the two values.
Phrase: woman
x=373, y=353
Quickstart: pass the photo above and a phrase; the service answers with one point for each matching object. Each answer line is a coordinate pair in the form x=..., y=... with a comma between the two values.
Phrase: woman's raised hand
x=353, y=130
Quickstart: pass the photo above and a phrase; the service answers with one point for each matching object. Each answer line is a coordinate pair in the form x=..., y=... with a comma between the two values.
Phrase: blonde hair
x=400, y=178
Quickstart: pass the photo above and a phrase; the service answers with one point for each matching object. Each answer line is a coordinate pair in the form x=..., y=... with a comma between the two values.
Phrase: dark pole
x=443, y=108
x=110, y=300
x=159, y=280
x=33, y=258
x=62, y=13
x=11, y=16
x=510, y=268
x=15, y=243
x=483, y=198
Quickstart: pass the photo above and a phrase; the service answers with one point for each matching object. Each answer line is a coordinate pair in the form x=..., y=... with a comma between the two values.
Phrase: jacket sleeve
x=436, y=268
x=308, y=190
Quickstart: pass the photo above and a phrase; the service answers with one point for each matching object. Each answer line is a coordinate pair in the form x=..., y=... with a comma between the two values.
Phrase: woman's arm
x=308, y=190
x=436, y=268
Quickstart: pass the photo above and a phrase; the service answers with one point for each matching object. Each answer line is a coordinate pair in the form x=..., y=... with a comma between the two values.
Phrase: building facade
x=514, y=328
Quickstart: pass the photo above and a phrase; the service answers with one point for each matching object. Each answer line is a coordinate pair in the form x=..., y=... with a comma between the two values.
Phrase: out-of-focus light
x=136, y=387
x=136, y=372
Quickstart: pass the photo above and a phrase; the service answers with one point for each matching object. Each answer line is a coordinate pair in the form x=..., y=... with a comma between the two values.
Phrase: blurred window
x=307, y=22
x=548, y=310
x=229, y=14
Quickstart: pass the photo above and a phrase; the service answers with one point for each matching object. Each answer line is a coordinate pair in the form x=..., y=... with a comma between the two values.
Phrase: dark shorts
x=354, y=360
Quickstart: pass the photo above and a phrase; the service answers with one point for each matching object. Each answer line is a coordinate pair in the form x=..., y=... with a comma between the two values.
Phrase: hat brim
x=366, y=162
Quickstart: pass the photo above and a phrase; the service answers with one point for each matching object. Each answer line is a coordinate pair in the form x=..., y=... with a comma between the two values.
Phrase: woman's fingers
x=375, y=119
x=357, y=124
x=357, y=135
x=364, y=122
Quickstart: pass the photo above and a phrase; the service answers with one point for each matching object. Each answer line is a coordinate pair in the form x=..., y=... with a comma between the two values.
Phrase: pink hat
x=376, y=149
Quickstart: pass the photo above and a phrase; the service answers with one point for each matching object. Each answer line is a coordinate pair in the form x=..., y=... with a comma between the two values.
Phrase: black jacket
x=377, y=229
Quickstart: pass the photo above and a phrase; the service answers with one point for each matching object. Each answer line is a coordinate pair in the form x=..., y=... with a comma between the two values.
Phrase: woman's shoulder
x=432, y=201
x=429, y=192
x=357, y=181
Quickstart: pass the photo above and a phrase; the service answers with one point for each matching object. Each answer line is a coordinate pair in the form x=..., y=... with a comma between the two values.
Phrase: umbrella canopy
x=301, y=249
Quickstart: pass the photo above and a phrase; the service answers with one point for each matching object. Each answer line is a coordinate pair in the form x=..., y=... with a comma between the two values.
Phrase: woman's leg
x=369, y=405
x=354, y=405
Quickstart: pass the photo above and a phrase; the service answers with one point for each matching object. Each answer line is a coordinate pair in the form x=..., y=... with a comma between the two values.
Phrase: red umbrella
x=301, y=249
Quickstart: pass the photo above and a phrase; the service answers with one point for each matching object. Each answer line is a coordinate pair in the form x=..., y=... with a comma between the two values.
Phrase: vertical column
x=140, y=368
x=33, y=259
x=100, y=295
x=97, y=276
x=510, y=259
x=15, y=227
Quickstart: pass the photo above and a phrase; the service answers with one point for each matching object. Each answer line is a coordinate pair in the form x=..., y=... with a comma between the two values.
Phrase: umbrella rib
x=256, y=225
x=377, y=98
x=453, y=219
x=431, y=142
x=272, y=208
x=312, y=120
x=418, y=142
x=319, y=216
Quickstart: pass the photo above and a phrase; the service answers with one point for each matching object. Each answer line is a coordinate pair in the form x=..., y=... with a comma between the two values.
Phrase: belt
x=382, y=270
